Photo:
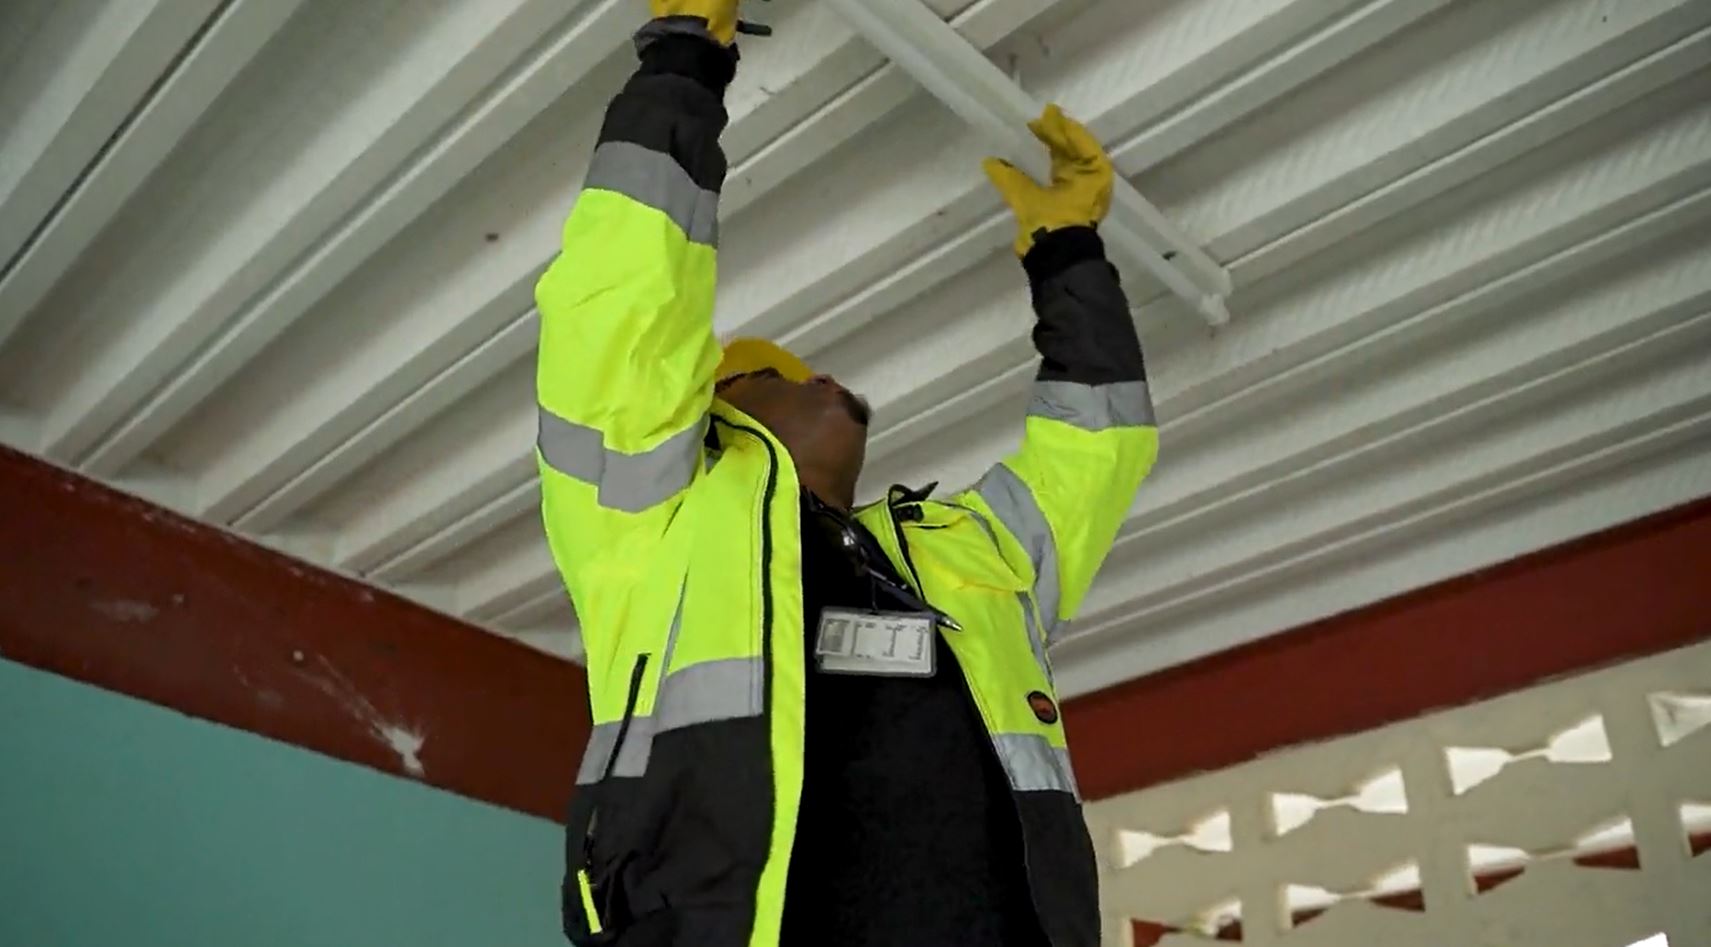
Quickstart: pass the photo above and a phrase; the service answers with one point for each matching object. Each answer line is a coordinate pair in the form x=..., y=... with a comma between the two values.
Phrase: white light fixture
x=972, y=86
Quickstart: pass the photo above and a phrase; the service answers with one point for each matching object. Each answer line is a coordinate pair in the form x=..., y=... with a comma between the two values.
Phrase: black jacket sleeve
x=674, y=104
x=1084, y=334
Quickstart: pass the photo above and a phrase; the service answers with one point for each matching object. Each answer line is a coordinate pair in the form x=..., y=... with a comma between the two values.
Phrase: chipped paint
x=241, y=642
x=406, y=743
x=125, y=610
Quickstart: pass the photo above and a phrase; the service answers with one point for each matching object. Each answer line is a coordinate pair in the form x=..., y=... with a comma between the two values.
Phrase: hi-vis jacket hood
x=675, y=520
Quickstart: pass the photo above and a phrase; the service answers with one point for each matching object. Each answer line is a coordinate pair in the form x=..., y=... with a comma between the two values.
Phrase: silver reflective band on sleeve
x=1094, y=407
x=672, y=633
x=1034, y=765
x=629, y=483
x=1014, y=505
x=656, y=179
x=1037, y=637
x=708, y=692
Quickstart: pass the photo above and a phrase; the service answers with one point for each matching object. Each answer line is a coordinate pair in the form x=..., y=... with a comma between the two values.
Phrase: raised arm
x=1091, y=437
x=627, y=352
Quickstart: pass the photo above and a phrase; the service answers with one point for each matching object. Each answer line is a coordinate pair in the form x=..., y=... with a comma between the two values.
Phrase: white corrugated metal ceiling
x=269, y=262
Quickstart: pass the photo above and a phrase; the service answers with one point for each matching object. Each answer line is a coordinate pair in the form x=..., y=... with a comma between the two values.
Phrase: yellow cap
x=751, y=355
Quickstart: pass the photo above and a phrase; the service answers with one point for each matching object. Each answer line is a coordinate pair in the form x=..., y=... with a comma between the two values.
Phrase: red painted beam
x=109, y=590
x=113, y=591
x=1639, y=589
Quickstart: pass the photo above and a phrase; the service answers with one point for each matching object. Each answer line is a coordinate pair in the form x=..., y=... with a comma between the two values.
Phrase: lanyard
x=849, y=540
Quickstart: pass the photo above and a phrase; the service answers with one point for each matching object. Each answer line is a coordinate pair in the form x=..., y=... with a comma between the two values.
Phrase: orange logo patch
x=1044, y=708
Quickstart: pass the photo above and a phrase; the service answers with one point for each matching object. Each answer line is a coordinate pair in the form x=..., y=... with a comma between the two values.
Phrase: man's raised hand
x=1080, y=191
x=719, y=15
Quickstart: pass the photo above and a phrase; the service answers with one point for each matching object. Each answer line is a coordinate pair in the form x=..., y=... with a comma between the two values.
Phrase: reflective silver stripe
x=1014, y=505
x=1037, y=637
x=641, y=728
x=1034, y=765
x=731, y=689
x=594, y=754
x=632, y=759
x=630, y=483
x=712, y=690
x=656, y=179
x=671, y=635
x=638, y=745
x=1094, y=407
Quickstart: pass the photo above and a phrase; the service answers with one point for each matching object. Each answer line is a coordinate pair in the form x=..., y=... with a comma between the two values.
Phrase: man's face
x=819, y=421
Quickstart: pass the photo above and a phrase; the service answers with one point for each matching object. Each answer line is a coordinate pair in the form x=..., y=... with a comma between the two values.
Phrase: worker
x=815, y=723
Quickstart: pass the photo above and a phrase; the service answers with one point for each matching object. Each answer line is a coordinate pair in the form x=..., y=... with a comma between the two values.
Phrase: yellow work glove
x=721, y=15
x=1080, y=192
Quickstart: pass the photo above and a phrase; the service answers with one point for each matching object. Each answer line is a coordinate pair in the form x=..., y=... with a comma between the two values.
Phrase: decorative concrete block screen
x=1573, y=814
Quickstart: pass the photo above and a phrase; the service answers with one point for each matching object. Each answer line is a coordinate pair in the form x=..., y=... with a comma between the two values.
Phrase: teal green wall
x=126, y=824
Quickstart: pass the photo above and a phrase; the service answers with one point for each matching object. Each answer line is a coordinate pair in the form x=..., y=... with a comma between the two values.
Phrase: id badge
x=892, y=644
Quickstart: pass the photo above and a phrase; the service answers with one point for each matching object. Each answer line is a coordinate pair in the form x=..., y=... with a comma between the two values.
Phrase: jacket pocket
x=595, y=908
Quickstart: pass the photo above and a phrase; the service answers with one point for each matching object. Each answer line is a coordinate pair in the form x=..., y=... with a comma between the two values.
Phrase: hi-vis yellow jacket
x=675, y=520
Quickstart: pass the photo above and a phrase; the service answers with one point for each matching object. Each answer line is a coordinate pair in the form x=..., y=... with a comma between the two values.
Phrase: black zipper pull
x=897, y=518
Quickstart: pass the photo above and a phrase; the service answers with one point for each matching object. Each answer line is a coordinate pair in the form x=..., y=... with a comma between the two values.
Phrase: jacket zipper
x=903, y=547
x=974, y=707
x=765, y=558
x=637, y=672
